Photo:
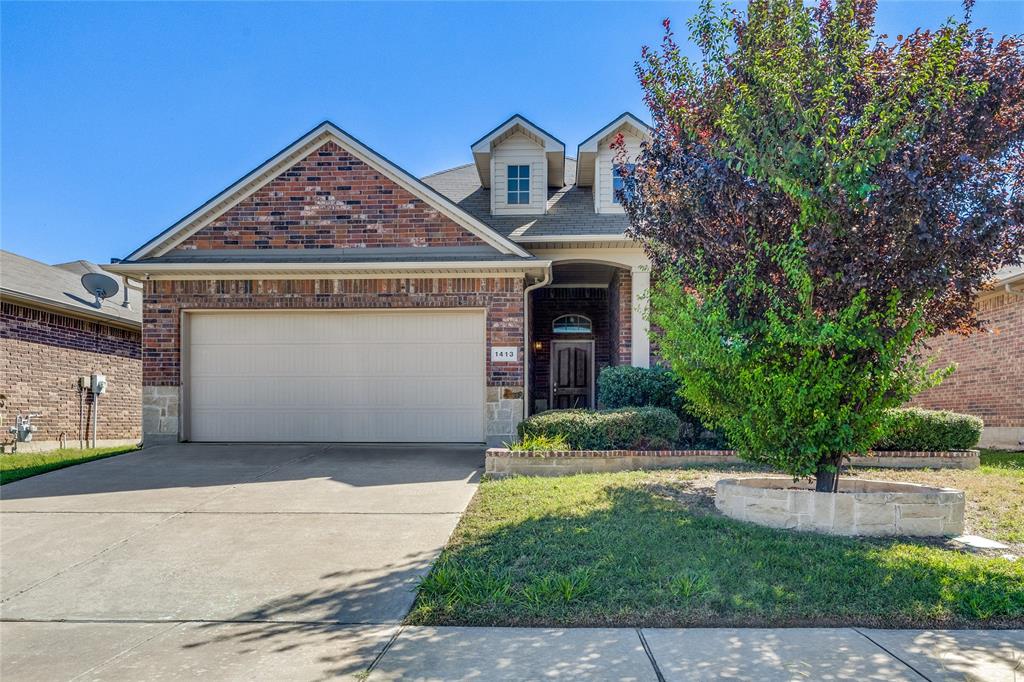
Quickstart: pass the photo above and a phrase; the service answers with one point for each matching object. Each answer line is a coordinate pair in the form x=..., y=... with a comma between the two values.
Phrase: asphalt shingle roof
x=61, y=287
x=570, y=208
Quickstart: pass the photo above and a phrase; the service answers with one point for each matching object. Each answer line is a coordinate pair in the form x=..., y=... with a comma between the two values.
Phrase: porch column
x=641, y=350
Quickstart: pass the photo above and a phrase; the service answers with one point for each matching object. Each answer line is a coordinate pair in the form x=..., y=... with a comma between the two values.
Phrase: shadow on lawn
x=657, y=555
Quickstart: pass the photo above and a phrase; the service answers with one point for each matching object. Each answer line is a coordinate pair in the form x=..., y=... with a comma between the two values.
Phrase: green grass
x=648, y=549
x=14, y=467
x=1000, y=461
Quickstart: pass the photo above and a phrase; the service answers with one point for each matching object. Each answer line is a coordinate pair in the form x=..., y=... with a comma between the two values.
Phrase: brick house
x=50, y=335
x=329, y=295
x=989, y=379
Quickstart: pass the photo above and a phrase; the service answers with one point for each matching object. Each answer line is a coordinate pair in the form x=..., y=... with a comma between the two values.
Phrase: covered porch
x=588, y=317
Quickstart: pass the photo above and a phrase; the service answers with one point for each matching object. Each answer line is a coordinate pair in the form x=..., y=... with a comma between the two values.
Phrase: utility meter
x=98, y=385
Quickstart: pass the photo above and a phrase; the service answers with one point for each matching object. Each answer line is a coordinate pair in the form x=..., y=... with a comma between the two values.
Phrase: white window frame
x=618, y=178
x=519, y=179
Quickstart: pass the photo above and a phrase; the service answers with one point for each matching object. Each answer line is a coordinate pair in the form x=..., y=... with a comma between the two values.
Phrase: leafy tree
x=817, y=200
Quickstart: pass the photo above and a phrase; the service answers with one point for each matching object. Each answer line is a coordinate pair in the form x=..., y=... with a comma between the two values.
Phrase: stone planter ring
x=859, y=508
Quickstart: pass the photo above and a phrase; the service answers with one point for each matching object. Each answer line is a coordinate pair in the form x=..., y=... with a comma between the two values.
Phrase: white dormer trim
x=305, y=145
x=554, y=149
x=587, y=152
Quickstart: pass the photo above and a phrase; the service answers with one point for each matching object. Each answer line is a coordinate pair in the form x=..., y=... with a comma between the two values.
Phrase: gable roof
x=570, y=208
x=586, y=153
x=59, y=287
x=303, y=146
x=554, y=148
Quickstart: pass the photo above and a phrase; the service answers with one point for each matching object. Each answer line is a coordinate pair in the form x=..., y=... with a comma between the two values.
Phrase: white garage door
x=336, y=376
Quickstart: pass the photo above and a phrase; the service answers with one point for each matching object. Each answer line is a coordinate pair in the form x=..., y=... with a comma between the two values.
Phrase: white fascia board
x=307, y=144
x=551, y=143
x=554, y=149
x=589, y=145
x=330, y=270
x=572, y=238
x=586, y=152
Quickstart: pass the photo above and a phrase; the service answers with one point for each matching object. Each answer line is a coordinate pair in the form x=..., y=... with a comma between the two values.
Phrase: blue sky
x=117, y=119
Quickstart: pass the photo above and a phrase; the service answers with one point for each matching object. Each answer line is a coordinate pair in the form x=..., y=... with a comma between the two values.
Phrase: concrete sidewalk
x=427, y=653
x=316, y=651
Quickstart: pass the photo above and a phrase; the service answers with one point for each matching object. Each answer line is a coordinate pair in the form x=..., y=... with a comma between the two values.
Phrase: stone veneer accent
x=160, y=412
x=504, y=411
x=500, y=297
x=42, y=355
x=502, y=462
x=878, y=508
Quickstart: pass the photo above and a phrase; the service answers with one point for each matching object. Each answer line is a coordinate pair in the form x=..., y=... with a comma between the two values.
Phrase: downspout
x=526, y=337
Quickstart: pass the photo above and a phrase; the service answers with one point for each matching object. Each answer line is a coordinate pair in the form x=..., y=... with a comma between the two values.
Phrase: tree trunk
x=826, y=478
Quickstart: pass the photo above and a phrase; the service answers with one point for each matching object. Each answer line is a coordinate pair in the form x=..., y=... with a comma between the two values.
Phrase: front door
x=572, y=374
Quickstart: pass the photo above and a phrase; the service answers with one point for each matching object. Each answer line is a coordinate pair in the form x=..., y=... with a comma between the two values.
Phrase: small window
x=518, y=185
x=623, y=185
x=571, y=324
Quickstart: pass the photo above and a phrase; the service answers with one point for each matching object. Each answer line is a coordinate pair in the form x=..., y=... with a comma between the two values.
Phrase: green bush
x=630, y=428
x=627, y=386
x=912, y=428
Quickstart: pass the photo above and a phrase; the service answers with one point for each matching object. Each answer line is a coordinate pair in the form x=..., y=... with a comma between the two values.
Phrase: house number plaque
x=504, y=353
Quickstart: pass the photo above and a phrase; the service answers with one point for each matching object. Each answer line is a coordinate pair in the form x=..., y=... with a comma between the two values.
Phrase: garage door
x=337, y=376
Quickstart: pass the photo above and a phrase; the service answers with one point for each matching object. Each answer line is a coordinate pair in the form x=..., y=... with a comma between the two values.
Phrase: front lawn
x=648, y=548
x=14, y=467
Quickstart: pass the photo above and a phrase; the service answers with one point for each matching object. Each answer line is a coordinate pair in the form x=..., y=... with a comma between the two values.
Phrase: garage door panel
x=355, y=425
x=311, y=360
x=296, y=393
x=337, y=376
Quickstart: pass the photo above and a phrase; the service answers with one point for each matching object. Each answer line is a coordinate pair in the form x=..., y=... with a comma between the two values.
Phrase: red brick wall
x=989, y=379
x=330, y=199
x=549, y=303
x=620, y=301
x=501, y=297
x=42, y=354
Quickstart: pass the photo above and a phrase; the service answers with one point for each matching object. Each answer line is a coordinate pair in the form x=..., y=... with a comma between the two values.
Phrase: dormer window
x=623, y=183
x=518, y=163
x=518, y=185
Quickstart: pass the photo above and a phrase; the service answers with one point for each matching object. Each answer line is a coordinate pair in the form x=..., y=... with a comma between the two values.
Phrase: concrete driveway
x=236, y=561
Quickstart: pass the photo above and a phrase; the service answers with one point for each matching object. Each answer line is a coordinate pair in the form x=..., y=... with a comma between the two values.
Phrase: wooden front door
x=572, y=374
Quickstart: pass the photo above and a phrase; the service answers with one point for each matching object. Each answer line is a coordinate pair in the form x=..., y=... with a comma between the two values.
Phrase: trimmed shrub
x=630, y=428
x=911, y=428
x=627, y=386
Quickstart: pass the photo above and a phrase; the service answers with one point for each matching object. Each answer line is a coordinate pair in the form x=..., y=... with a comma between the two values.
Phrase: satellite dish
x=99, y=285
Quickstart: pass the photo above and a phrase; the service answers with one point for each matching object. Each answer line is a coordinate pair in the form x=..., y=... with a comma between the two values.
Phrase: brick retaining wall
x=503, y=462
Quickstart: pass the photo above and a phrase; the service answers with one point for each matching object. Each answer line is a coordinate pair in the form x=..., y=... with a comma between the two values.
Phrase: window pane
x=513, y=171
x=513, y=197
x=572, y=324
x=524, y=185
x=512, y=185
x=524, y=171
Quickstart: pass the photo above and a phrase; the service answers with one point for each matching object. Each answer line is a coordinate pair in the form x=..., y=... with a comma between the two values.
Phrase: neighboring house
x=989, y=379
x=51, y=334
x=331, y=296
